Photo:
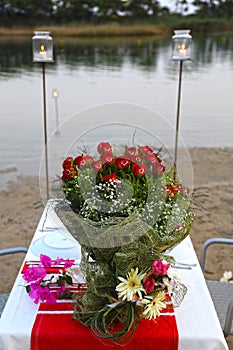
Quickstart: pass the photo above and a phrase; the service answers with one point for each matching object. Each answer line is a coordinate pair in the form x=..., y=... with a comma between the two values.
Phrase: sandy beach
x=21, y=208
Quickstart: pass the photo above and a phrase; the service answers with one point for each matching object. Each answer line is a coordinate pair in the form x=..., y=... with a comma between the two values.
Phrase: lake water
x=131, y=71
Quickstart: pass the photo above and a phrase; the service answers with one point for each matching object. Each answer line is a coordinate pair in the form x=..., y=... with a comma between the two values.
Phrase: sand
x=21, y=208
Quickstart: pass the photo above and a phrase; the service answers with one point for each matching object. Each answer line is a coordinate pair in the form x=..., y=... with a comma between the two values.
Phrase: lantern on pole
x=181, y=51
x=42, y=48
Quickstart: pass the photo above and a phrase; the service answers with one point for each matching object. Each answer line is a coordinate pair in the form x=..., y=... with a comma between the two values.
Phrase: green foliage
x=39, y=12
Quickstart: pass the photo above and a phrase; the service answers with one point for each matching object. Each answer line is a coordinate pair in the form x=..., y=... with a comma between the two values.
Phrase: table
x=197, y=322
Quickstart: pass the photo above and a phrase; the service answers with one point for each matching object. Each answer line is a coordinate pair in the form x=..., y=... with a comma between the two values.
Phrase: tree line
x=23, y=12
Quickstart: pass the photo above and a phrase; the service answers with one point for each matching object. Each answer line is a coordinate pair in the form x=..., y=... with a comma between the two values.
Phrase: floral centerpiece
x=127, y=213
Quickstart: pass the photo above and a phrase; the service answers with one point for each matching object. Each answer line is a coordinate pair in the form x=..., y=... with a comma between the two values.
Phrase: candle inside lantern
x=182, y=50
x=43, y=53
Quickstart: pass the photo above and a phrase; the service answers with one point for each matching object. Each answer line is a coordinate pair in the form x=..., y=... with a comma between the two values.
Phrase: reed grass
x=104, y=30
x=164, y=27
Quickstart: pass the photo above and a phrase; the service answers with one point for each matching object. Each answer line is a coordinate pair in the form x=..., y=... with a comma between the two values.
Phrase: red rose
x=122, y=163
x=104, y=147
x=145, y=149
x=136, y=158
x=152, y=158
x=149, y=283
x=174, y=188
x=139, y=169
x=158, y=169
x=96, y=165
x=80, y=162
x=69, y=173
x=68, y=162
x=107, y=159
x=185, y=190
x=88, y=159
x=110, y=178
x=130, y=151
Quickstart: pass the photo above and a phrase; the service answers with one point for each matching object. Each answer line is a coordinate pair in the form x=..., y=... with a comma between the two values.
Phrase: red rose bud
x=96, y=165
x=149, y=283
x=69, y=173
x=136, y=158
x=110, y=178
x=139, y=170
x=175, y=188
x=107, y=159
x=158, y=169
x=88, y=159
x=185, y=190
x=145, y=149
x=152, y=158
x=80, y=162
x=68, y=162
x=104, y=147
x=122, y=163
x=130, y=151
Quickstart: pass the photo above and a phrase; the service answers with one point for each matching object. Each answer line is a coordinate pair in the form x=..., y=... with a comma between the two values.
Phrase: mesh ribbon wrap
x=129, y=243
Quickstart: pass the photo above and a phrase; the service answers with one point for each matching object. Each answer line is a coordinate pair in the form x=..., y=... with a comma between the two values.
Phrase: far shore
x=120, y=29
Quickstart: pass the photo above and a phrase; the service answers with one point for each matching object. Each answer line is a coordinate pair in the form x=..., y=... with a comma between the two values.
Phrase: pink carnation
x=159, y=269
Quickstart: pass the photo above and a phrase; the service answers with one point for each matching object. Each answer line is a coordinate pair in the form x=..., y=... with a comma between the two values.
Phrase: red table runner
x=54, y=329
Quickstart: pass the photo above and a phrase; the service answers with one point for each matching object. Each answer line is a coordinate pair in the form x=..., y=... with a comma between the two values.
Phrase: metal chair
x=15, y=250
x=221, y=292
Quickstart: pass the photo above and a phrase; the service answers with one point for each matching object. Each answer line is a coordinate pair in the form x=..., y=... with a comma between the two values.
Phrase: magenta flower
x=68, y=263
x=159, y=269
x=38, y=287
x=58, y=261
x=38, y=292
x=35, y=273
x=50, y=298
x=35, y=291
x=46, y=261
x=149, y=283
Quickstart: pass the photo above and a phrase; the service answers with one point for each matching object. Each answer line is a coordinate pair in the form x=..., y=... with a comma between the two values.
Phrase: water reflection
x=143, y=53
x=110, y=52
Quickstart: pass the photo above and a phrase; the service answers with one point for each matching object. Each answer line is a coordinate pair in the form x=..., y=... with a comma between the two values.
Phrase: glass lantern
x=42, y=47
x=182, y=44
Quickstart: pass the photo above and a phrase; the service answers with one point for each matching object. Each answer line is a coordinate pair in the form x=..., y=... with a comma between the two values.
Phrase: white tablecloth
x=197, y=322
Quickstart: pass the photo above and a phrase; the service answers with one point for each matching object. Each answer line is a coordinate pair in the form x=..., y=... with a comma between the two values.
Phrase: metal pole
x=45, y=133
x=177, y=120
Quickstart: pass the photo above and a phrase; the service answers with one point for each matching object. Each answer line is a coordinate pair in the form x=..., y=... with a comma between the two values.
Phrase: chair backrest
x=210, y=242
x=13, y=250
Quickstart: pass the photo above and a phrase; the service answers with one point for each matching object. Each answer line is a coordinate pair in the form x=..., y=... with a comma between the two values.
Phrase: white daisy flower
x=131, y=285
x=153, y=305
